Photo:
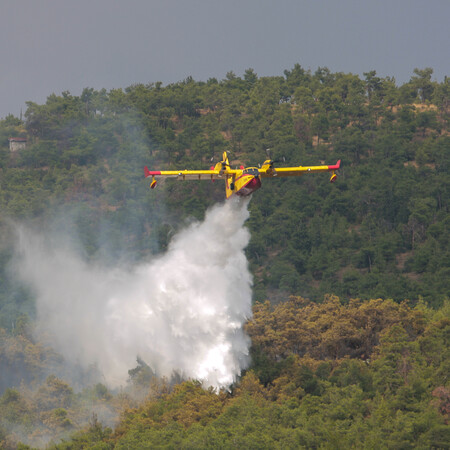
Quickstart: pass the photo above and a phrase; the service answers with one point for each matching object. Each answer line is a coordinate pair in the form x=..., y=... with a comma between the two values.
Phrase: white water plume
x=182, y=311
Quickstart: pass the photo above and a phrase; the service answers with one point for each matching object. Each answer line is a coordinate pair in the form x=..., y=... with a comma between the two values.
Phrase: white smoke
x=182, y=311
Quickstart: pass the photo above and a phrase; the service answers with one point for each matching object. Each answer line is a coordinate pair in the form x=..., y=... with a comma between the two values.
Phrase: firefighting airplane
x=243, y=181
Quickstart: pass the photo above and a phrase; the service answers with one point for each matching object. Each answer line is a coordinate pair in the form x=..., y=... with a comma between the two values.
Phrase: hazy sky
x=49, y=46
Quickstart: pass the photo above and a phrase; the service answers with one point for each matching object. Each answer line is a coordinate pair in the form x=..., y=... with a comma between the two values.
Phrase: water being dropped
x=183, y=311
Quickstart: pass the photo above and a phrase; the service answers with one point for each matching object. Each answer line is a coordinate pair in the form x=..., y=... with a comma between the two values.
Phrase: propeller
x=276, y=160
x=224, y=164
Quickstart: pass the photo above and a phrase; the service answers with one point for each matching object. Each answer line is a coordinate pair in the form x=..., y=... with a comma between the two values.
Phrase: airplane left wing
x=213, y=174
x=184, y=174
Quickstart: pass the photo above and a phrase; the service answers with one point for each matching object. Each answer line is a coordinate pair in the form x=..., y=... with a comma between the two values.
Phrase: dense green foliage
x=381, y=231
x=364, y=375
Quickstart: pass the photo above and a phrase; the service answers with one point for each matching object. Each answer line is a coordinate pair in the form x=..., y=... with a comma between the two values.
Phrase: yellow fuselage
x=243, y=183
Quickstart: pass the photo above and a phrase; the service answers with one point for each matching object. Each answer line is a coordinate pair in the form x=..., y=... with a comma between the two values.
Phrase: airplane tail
x=225, y=159
x=229, y=180
x=223, y=166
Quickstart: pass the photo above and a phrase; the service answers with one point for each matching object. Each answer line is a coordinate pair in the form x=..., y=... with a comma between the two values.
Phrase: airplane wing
x=213, y=174
x=221, y=170
x=184, y=174
x=269, y=171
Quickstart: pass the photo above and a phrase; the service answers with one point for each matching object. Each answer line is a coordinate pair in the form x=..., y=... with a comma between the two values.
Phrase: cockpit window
x=251, y=171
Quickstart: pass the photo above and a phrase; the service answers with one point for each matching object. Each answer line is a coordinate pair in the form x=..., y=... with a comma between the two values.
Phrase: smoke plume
x=182, y=311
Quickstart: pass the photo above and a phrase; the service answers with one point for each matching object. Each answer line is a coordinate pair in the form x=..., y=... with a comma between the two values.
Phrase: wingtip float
x=243, y=181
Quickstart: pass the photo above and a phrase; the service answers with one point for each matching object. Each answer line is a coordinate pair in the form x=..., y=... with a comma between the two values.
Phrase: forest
x=351, y=320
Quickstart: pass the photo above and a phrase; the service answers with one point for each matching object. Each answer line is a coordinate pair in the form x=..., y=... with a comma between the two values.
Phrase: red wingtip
x=146, y=172
x=336, y=166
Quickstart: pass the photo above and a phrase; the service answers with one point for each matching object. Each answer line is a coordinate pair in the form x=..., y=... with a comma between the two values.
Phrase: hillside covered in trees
x=363, y=375
x=364, y=359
